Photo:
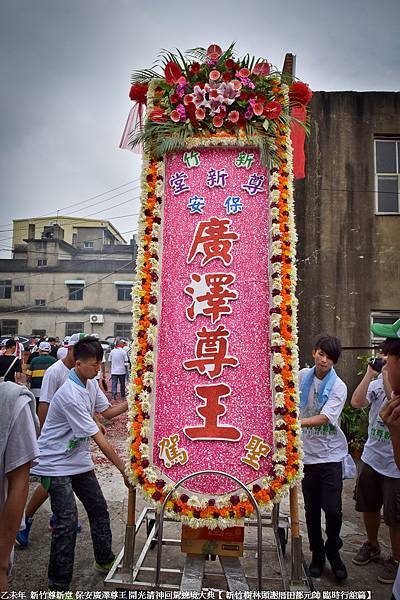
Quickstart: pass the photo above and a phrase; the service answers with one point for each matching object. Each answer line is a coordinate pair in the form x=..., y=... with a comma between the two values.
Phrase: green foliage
x=354, y=423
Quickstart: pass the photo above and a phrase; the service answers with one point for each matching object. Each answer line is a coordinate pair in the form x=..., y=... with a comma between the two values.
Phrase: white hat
x=66, y=340
x=75, y=338
x=4, y=342
x=45, y=346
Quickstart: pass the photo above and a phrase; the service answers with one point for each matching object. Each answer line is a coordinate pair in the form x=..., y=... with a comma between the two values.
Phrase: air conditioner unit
x=96, y=318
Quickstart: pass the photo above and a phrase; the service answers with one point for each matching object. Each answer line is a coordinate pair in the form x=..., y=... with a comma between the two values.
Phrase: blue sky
x=65, y=77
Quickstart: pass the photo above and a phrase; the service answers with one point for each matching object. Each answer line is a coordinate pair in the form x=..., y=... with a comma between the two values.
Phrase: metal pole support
x=296, y=549
x=130, y=533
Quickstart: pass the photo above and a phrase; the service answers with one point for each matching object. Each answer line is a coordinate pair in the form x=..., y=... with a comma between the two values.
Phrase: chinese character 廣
x=170, y=453
x=177, y=182
x=211, y=352
x=254, y=184
x=245, y=159
x=210, y=295
x=214, y=240
x=216, y=178
x=196, y=205
x=256, y=448
x=191, y=159
x=233, y=205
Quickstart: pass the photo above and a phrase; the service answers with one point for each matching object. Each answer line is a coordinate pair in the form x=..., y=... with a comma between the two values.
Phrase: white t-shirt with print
x=64, y=443
x=324, y=443
x=118, y=358
x=53, y=379
x=378, y=450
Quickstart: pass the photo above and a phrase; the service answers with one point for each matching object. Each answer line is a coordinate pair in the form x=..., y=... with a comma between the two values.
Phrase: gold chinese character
x=170, y=453
x=256, y=448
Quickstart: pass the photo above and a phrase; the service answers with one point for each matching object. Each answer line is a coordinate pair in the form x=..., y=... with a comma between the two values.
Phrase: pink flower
x=182, y=81
x=214, y=51
x=187, y=99
x=181, y=111
x=218, y=121
x=199, y=97
x=214, y=75
x=272, y=110
x=244, y=72
x=228, y=92
x=258, y=109
x=175, y=116
x=233, y=116
x=261, y=68
x=200, y=114
x=237, y=85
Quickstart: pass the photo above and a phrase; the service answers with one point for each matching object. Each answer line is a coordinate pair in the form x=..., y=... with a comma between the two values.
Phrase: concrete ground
x=30, y=570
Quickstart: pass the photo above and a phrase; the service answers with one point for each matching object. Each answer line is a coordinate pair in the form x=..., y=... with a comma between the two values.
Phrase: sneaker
x=52, y=521
x=103, y=568
x=366, y=553
x=389, y=571
x=337, y=565
x=317, y=564
x=22, y=536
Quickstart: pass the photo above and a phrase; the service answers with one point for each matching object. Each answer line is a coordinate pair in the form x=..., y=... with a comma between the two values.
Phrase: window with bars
x=124, y=292
x=40, y=302
x=19, y=288
x=5, y=289
x=123, y=330
x=75, y=327
x=387, y=174
x=42, y=262
x=8, y=327
x=75, y=292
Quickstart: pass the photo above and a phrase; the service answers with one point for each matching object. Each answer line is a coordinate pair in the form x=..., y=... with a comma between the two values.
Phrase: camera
x=377, y=364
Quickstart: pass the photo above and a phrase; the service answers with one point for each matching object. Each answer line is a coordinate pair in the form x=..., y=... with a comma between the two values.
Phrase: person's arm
x=42, y=412
x=99, y=424
x=359, y=397
x=390, y=415
x=386, y=385
x=110, y=453
x=314, y=421
x=114, y=411
x=11, y=516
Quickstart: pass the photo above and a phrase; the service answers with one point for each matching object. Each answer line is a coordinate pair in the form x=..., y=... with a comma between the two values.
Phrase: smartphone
x=377, y=364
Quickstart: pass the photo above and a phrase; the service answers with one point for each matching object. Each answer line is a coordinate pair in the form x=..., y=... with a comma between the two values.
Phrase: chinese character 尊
x=177, y=182
x=245, y=159
x=211, y=352
x=213, y=239
x=170, y=452
x=196, y=205
x=191, y=159
x=256, y=448
x=216, y=178
x=210, y=295
x=233, y=205
x=254, y=184
x=211, y=412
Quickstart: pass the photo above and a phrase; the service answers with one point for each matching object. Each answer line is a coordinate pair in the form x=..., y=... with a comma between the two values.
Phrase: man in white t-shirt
x=66, y=466
x=378, y=483
x=118, y=359
x=322, y=397
x=18, y=447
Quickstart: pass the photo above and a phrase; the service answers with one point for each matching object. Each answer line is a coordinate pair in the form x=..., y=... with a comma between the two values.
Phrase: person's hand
x=390, y=414
x=102, y=428
x=126, y=480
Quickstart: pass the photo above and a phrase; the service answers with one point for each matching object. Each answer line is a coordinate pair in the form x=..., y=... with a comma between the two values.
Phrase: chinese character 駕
x=196, y=205
x=177, y=182
x=213, y=239
x=211, y=352
x=254, y=184
x=210, y=294
x=245, y=159
x=191, y=159
x=216, y=178
x=233, y=205
x=256, y=448
x=211, y=412
x=170, y=453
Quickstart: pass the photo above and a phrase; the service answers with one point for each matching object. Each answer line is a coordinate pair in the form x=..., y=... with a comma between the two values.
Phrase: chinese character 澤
x=214, y=240
x=211, y=352
x=170, y=453
x=196, y=205
x=211, y=412
x=233, y=205
x=191, y=159
x=254, y=184
x=256, y=448
x=216, y=178
x=245, y=159
x=177, y=182
x=210, y=294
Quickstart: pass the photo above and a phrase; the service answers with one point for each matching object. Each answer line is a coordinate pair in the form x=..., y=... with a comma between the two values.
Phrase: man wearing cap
x=63, y=350
x=390, y=413
x=10, y=365
x=37, y=368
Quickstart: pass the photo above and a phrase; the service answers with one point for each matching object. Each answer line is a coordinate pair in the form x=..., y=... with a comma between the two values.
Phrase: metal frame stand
x=126, y=574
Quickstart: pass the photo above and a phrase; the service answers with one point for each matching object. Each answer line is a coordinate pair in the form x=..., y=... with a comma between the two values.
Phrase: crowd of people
x=65, y=393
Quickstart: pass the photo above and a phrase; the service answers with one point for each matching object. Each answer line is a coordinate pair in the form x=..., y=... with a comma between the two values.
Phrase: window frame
x=41, y=262
x=74, y=327
x=6, y=284
x=38, y=333
x=2, y=332
x=40, y=302
x=126, y=325
x=126, y=289
x=396, y=141
x=88, y=242
x=76, y=288
x=17, y=287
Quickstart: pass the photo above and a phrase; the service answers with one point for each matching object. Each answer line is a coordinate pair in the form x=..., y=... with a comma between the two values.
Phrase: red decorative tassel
x=298, y=136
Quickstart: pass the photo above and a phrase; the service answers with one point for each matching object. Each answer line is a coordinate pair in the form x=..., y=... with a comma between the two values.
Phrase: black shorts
x=374, y=490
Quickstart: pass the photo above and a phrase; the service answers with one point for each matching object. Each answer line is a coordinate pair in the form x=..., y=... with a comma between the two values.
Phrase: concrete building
x=61, y=281
x=348, y=222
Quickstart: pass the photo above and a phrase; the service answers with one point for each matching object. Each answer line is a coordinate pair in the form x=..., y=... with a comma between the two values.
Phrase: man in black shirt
x=10, y=365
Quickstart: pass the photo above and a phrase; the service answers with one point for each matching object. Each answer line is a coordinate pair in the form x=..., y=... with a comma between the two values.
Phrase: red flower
x=200, y=114
x=230, y=63
x=174, y=98
x=226, y=76
x=214, y=52
x=195, y=68
x=261, y=98
x=175, y=116
x=244, y=72
x=218, y=121
x=138, y=93
x=300, y=93
x=233, y=116
x=172, y=72
x=272, y=110
x=261, y=68
x=214, y=75
x=258, y=109
x=244, y=95
x=158, y=116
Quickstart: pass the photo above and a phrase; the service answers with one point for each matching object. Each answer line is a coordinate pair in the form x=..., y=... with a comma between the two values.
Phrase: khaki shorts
x=374, y=490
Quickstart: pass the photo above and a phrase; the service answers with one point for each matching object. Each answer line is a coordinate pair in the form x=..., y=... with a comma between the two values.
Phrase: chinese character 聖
x=191, y=159
x=211, y=412
x=170, y=453
x=211, y=352
x=256, y=448
x=233, y=205
x=254, y=184
x=213, y=239
x=177, y=182
x=216, y=178
x=210, y=294
x=196, y=205
x=245, y=159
